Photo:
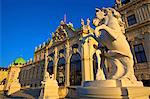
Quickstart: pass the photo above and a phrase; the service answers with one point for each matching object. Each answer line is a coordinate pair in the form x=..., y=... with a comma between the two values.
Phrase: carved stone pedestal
x=14, y=87
x=49, y=89
x=112, y=89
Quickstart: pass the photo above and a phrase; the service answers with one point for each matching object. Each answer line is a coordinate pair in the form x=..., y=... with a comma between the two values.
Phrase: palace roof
x=19, y=60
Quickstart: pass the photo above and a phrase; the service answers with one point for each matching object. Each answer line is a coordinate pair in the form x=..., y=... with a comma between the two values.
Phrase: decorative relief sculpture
x=100, y=74
x=60, y=34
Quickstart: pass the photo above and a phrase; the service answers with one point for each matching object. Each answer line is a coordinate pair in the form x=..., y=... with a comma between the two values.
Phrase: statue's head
x=100, y=15
x=117, y=15
x=105, y=14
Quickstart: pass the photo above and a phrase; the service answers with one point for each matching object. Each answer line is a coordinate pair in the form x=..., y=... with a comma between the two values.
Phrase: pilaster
x=46, y=62
x=86, y=75
x=55, y=62
x=67, y=66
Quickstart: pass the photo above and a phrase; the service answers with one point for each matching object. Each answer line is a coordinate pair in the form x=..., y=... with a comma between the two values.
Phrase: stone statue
x=49, y=88
x=86, y=27
x=115, y=61
x=100, y=74
x=110, y=32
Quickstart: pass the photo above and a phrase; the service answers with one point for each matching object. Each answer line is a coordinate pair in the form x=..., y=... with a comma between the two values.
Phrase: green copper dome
x=19, y=60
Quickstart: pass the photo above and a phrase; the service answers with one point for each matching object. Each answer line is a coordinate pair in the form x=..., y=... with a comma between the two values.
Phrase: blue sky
x=27, y=23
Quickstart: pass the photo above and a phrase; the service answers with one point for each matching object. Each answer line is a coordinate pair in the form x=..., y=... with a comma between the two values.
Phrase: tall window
x=75, y=70
x=140, y=53
x=61, y=71
x=50, y=64
x=125, y=1
x=131, y=20
x=50, y=67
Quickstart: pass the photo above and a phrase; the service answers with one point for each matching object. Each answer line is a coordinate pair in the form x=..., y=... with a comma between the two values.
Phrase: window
x=140, y=53
x=75, y=70
x=75, y=46
x=95, y=65
x=50, y=67
x=131, y=20
x=51, y=55
x=50, y=64
x=61, y=51
x=61, y=72
x=125, y=1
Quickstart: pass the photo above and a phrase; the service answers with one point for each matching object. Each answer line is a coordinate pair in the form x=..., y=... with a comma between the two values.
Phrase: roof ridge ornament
x=118, y=3
x=86, y=28
x=62, y=22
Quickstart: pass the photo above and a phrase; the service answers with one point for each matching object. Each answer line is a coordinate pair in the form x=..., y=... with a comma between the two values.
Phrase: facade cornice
x=130, y=4
x=137, y=26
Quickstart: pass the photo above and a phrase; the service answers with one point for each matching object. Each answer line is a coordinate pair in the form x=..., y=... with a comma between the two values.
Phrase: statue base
x=113, y=83
x=113, y=89
x=14, y=87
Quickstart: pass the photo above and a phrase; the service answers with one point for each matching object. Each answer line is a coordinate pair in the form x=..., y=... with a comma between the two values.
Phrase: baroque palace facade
x=136, y=15
x=64, y=55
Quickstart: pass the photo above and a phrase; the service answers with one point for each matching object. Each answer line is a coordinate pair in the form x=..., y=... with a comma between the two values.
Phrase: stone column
x=86, y=70
x=87, y=52
x=55, y=62
x=67, y=66
x=46, y=62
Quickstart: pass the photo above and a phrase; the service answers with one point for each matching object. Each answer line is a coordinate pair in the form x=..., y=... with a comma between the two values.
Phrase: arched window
x=61, y=71
x=95, y=65
x=75, y=69
x=50, y=64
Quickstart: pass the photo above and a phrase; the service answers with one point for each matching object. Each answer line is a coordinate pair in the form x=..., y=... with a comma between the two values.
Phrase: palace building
x=136, y=15
x=73, y=61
